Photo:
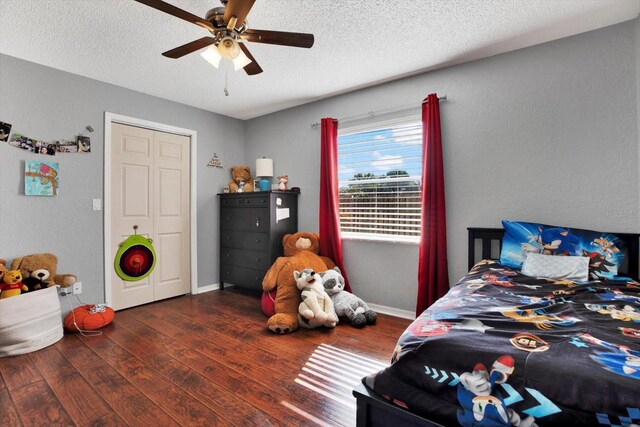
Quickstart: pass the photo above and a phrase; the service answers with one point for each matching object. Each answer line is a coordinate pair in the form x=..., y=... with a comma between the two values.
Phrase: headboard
x=487, y=236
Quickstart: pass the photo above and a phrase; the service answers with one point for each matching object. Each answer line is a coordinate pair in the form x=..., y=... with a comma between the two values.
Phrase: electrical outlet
x=77, y=288
x=97, y=204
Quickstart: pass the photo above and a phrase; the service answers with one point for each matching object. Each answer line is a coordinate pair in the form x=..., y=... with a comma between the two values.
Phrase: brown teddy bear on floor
x=300, y=252
x=242, y=181
x=42, y=267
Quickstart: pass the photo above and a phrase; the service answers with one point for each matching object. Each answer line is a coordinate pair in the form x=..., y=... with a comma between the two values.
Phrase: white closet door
x=150, y=189
x=171, y=215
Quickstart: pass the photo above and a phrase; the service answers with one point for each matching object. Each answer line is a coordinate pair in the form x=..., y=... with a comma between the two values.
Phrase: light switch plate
x=97, y=204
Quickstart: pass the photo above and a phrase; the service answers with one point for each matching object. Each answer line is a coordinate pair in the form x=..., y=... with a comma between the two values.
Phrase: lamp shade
x=240, y=61
x=212, y=55
x=264, y=167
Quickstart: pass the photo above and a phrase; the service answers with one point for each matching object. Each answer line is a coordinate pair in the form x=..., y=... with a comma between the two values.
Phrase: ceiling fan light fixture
x=212, y=56
x=241, y=61
x=228, y=48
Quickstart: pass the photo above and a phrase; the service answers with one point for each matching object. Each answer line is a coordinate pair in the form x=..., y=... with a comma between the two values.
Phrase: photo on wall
x=84, y=144
x=5, y=130
x=42, y=147
x=66, y=146
x=41, y=178
x=20, y=141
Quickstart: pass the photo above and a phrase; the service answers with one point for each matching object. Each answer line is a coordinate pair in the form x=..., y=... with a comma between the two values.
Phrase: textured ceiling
x=358, y=43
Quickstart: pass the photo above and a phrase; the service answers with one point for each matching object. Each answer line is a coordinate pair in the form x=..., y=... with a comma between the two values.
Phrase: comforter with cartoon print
x=506, y=349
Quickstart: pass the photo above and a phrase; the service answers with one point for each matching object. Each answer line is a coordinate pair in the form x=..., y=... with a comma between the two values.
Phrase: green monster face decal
x=135, y=258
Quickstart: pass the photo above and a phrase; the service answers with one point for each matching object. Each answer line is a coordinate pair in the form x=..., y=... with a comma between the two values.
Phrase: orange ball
x=88, y=321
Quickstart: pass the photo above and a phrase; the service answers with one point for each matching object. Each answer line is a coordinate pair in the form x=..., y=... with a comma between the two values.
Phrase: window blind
x=379, y=173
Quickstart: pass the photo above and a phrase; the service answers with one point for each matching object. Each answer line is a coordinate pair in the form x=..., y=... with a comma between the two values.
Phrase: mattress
x=29, y=322
x=502, y=349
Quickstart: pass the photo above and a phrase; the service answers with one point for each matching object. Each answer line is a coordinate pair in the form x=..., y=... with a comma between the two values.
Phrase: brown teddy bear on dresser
x=242, y=181
x=300, y=252
x=42, y=267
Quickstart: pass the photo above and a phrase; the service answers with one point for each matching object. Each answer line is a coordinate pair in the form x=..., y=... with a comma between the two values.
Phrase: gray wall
x=49, y=104
x=638, y=92
x=547, y=133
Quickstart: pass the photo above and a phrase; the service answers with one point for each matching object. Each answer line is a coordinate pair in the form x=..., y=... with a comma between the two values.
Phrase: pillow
x=556, y=267
x=605, y=251
x=86, y=318
x=268, y=303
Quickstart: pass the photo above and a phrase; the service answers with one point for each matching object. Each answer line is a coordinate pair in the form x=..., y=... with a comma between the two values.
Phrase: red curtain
x=330, y=241
x=433, y=276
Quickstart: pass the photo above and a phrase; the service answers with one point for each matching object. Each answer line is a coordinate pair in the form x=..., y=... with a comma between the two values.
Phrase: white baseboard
x=383, y=309
x=208, y=288
x=391, y=311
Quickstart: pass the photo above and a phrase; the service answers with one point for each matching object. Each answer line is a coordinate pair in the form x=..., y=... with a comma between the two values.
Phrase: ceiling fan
x=228, y=27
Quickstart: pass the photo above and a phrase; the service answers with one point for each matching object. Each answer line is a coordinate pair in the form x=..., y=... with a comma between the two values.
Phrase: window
x=379, y=174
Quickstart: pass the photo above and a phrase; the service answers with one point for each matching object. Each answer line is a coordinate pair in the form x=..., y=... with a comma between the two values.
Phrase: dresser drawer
x=244, y=240
x=245, y=201
x=245, y=277
x=260, y=201
x=244, y=219
x=244, y=258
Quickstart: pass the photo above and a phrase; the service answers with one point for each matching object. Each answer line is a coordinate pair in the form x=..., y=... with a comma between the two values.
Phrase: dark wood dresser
x=252, y=226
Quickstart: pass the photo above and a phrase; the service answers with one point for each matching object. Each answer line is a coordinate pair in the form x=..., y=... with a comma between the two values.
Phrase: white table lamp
x=264, y=171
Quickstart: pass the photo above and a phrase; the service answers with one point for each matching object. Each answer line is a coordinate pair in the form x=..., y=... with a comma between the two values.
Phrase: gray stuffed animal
x=345, y=303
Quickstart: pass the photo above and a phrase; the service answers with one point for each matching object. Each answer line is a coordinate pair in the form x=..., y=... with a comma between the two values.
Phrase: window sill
x=411, y=240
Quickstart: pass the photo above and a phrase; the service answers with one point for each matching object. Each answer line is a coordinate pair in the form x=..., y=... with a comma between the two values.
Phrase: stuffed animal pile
x=316, y=308
x=300, y=252
x=346, y=304
x=31, y=273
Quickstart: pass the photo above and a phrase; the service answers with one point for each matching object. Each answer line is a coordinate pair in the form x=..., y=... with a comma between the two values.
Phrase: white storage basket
x=29, y=322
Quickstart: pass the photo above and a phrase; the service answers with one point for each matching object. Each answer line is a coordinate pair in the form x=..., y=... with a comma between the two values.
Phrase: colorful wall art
x=41, y=178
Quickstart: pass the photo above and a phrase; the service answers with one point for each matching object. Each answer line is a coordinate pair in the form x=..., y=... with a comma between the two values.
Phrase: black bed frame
x=487, y=237
x=373, y=410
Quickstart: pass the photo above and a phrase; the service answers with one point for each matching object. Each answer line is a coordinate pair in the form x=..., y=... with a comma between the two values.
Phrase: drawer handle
x=257, y=240
x=258, y=222
x=227, y=238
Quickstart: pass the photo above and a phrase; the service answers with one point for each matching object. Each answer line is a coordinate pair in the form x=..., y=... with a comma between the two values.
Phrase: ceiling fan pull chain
x=226, y=78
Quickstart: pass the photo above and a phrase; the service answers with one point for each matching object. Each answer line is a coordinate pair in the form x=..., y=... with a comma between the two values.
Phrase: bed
x=502, y=348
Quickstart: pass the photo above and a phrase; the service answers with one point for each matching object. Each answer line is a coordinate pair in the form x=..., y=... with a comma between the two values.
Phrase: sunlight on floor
x=305, y=414
x=333, y=373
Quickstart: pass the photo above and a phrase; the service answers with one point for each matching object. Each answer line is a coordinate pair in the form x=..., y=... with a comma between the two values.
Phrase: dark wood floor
x=195, y=360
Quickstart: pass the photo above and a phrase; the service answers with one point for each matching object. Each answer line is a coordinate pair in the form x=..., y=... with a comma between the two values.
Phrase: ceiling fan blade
x=252, y=68
x=177, y=12
x=238, y=9
x=185, y=49
x=281, y=38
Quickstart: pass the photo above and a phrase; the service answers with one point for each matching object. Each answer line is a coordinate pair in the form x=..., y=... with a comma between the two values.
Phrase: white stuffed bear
x=346, y=304
x=316, y=308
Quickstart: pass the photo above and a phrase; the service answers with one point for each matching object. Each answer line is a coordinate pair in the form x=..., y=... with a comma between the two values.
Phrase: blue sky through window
x=380, y=151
